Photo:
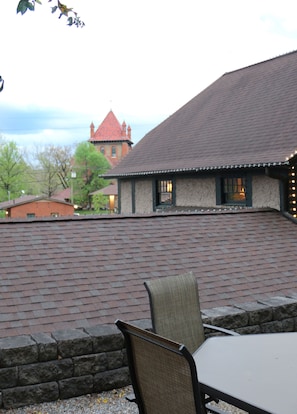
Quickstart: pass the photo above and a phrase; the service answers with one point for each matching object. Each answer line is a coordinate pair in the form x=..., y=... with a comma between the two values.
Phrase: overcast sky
x=143, y=59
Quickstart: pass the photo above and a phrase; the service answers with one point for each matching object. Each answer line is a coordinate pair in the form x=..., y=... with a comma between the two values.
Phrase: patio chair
x=175, y=310
x=163, y=374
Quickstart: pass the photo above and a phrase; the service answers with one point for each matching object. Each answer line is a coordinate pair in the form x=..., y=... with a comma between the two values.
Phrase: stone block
x=288, y=325
x=249, y=330
x=227, y=317
x=114, y=359
x=89, y=364
x=109, y=380
x=8, y=377
x=105, y=338
x=257, y=312
x=282, y=307
x=75, y=386
x=271, y=327
x=45, y=371
x=47, y=346
x=32, y=394
x=73, y=342
x=17, y=350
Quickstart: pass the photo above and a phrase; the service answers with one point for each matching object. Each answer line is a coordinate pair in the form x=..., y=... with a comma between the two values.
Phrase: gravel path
x=112, y=402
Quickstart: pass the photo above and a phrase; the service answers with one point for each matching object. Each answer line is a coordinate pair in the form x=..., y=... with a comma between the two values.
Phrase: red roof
x=110, y=130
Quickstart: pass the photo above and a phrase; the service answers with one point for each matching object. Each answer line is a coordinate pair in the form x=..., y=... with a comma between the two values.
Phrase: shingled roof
x=110, y=130
x=247, y=118
x=84, y=271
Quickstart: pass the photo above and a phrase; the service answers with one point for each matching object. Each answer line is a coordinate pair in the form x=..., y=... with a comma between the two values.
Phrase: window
x=234, y=190
x=102, y=150
x=164, y=192
x=113, y=152
x=30, y=215
x=55, y=214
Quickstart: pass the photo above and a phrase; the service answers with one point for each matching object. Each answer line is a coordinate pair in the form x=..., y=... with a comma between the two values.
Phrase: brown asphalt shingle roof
x=245, y=118
x=84, y=271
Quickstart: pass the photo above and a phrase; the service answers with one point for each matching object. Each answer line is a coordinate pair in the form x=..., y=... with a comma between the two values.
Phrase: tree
x=88, y=164
x=72, y=17
x=99, y=202
x=54, y=166
x=12, y=171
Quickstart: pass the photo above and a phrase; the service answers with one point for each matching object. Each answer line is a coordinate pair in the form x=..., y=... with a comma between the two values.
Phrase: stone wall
x=41, y=367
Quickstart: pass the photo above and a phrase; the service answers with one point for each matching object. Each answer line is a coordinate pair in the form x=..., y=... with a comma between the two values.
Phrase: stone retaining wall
x=41, y=367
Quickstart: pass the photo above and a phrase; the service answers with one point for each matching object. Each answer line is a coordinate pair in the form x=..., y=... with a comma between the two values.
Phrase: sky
x=142, y=59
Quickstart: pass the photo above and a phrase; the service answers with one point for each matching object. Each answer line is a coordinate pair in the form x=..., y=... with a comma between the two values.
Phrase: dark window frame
x=164, y=192
x=224, y=197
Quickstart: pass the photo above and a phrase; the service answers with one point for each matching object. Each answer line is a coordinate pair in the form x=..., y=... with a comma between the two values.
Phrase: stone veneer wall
x=40, y=367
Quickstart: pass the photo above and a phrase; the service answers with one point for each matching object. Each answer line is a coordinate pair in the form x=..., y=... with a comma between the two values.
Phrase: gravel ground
x=112, y=402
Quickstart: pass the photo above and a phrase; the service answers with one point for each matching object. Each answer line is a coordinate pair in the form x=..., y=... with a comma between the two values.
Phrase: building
x=111, y=191
x=234, y=144
x=111, y=138
x=31, y=207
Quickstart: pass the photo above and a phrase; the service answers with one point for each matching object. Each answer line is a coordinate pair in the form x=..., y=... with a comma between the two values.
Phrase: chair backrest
x=163, y=373
x=175, y=309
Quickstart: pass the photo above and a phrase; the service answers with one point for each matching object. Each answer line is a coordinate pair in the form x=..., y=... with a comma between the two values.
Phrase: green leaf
x=23, y=6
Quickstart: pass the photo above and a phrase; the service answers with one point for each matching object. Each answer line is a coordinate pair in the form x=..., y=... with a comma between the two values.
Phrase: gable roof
x=110, y=130
x=111, y=189
x=10, y=203
x=28, y=200
x=247, y=118
x=84, y=271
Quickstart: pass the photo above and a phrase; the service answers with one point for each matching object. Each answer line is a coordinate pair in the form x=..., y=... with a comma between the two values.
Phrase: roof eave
x=197, y=169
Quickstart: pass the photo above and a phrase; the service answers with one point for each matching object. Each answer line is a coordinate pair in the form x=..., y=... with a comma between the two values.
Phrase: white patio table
x=257, y=373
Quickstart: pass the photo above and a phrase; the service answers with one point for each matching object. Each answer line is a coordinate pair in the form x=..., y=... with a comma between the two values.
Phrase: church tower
x=111, y=138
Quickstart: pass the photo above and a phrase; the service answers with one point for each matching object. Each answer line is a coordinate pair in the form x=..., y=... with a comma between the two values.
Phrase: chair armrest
x=219, y=329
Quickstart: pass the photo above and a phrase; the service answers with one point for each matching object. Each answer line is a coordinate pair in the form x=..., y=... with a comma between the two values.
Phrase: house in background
x=234, y=144
x=111, y=138
x=111, y=191
x=30, y=207
x=64, y=195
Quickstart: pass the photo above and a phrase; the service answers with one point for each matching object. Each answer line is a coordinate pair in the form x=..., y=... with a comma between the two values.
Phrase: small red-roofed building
x=35, y=207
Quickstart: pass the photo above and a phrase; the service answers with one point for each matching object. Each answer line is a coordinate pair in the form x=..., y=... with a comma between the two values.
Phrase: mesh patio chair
x=163, y=374
x=175, y=310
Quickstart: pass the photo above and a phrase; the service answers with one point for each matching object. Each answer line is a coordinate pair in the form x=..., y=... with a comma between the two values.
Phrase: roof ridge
x=260, y=63
x=199, y=211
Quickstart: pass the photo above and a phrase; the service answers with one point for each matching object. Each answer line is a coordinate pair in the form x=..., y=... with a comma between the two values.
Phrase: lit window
x=164, y=192
x=234, y=190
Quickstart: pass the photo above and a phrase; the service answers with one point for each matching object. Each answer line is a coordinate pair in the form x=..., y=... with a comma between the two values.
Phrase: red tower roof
x=110, y=130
